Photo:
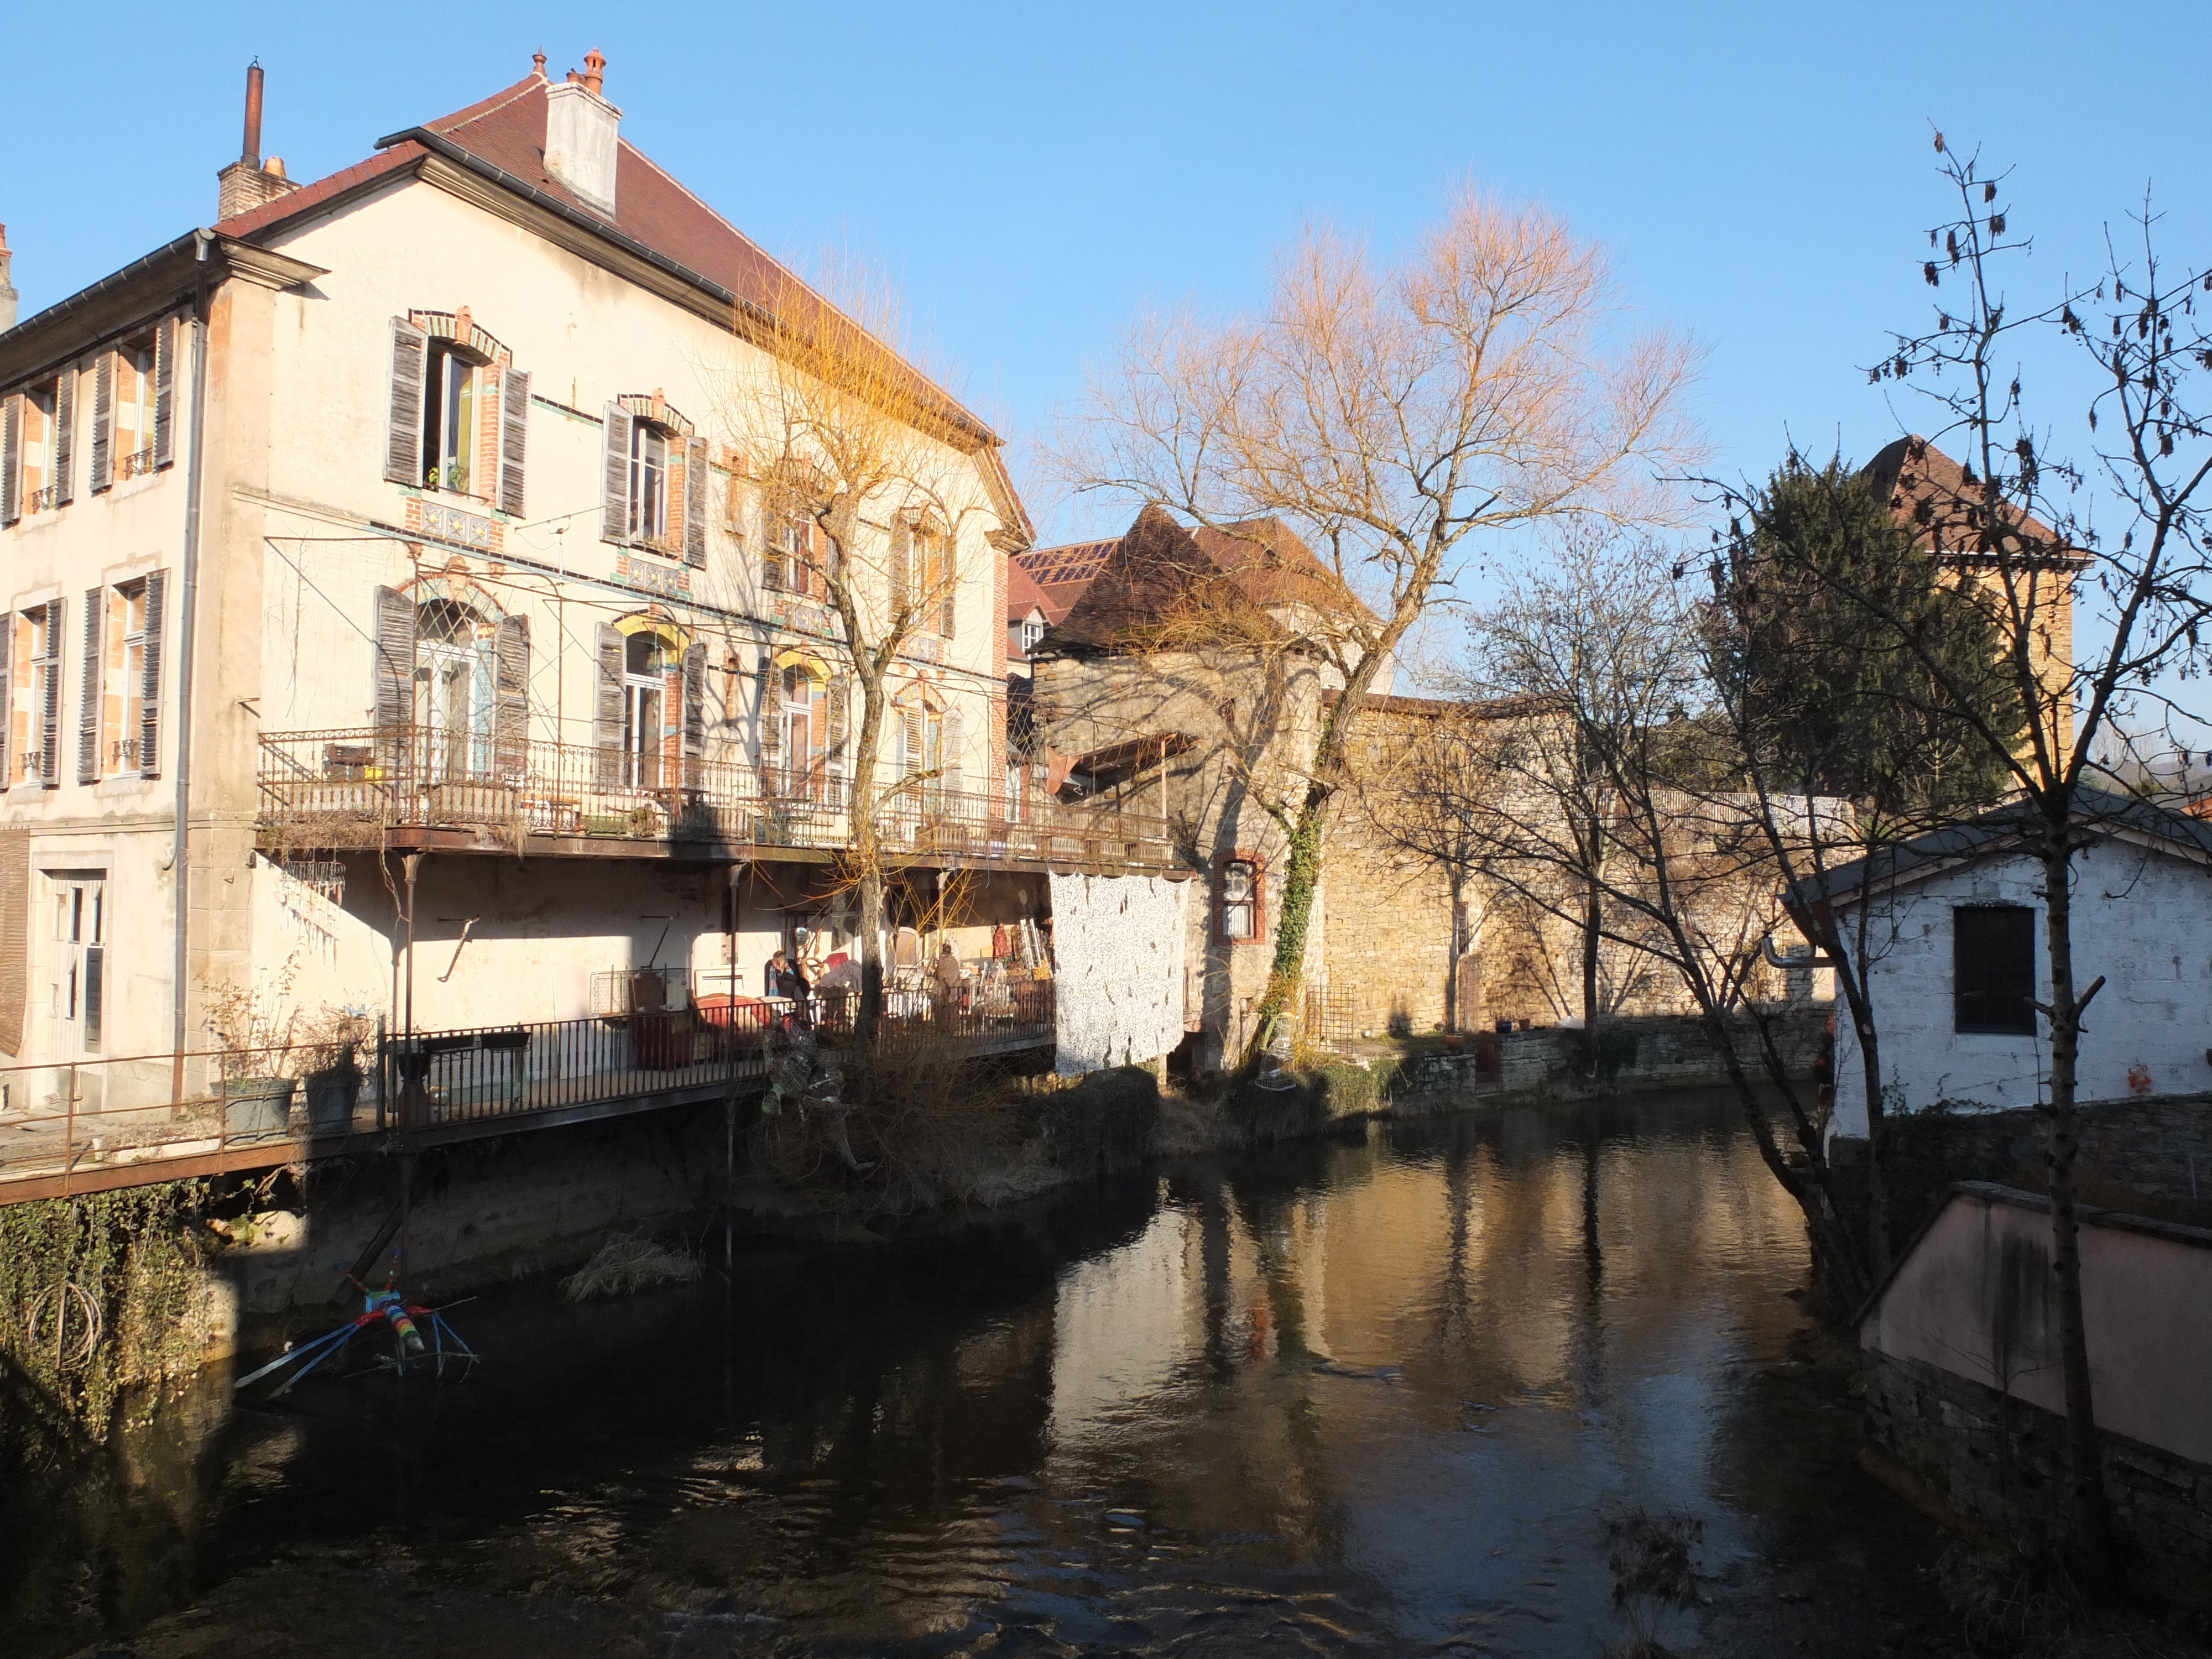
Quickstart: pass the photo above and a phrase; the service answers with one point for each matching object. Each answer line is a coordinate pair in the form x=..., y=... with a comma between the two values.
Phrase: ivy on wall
x=99, y=1294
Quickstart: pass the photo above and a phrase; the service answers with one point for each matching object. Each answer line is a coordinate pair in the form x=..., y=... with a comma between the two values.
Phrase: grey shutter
x=395, y=675
x=698, y=480
x=955, y=758
x=64, y=447
x=165, y=393
x=513, y=439
x=607, y=706
x=11, y=457
x=510, y=732
x=840, y=722
x=695, y=703
x=7, y=696
x=771, y=715
x=90, y=688
x=103, y=423
x=403, y=426
x=901, y=555
x=948, y=575
x=613, y=508
x=149, y=723
x=50, y=730
x=910, y=755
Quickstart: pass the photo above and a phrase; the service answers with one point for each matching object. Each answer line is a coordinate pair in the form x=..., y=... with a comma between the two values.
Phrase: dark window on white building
x=1993, y=969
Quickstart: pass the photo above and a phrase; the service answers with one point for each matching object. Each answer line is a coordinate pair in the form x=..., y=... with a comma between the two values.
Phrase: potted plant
x=329, y=1044
x=252, y=1042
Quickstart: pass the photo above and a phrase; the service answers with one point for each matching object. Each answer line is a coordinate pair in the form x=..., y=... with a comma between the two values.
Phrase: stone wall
x=2000, y=1460
x=2155, y=1146
x=1117, y=944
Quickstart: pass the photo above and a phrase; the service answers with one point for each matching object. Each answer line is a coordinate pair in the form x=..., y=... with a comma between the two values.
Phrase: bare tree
x=1386, y=412
x=872, y=491
x=2015, y=518
x=1625, y=761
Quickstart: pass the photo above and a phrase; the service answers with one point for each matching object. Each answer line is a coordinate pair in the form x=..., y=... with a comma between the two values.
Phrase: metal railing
x=99, y=1123
x=351, y=787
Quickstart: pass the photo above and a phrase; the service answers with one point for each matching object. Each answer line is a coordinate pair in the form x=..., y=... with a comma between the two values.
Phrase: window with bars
x=1993, y=969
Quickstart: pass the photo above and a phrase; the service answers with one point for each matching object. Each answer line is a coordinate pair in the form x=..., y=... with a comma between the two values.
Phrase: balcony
x=97, y=1124
x=399, y=787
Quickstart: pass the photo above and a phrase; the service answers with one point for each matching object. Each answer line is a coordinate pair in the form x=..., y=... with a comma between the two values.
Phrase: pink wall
x=1974, y=1298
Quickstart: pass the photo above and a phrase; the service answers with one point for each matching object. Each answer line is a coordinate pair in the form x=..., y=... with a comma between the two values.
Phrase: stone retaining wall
x=2000, y=1460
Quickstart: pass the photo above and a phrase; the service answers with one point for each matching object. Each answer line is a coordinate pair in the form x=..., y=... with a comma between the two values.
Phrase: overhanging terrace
x=385, y=788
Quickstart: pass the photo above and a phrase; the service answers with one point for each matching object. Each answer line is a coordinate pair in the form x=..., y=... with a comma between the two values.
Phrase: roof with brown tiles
x=1934, y=499
x=1160, y=572
x=506, y=131
x=1056, y=577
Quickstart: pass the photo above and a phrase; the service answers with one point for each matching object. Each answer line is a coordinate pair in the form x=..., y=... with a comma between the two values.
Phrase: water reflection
x=1384, y=1392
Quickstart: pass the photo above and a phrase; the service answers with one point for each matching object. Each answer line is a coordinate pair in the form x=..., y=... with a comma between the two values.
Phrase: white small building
x=1958, y=959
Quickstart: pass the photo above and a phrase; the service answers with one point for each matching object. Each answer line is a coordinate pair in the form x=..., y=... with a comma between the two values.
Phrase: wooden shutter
x=695, y=485
x=15, y=936
x=840, y=733
x=510, y=732
x=103, y=423
x=614, y=510
x=9, y=756
x=513, y=439
x=948, y=583
x=910, y=752
x=955, y=758
x=11, y=457
x=149, y=720
x=902, y=556
x=395, y=675
x=695, y=703
x=64, y=444
x=607, y=706
x=165, y=393
x=771, y=712
x=50, y=726
x=403, y=422
x=91, y=685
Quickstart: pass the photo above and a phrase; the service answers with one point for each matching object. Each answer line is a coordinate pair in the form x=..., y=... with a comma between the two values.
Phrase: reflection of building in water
x=1125, y=1326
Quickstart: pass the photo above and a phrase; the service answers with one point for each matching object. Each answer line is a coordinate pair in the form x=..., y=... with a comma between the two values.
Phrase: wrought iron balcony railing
x=353, y=788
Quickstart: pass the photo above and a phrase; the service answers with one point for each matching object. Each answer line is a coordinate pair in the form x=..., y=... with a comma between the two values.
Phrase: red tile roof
x=1932, y=497
x=308, y=196
x=1161, y=573
x=1058, y=576
x=506, y=131
x=1022, y=595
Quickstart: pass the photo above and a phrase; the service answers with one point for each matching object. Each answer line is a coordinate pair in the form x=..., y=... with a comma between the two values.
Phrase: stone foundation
x=2000, y=1461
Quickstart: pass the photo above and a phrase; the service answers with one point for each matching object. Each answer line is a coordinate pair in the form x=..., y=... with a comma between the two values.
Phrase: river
x=1422, y=1390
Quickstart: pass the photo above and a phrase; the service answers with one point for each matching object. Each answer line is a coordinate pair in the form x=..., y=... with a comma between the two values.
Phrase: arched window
x=649, y=724
x=452, y=682
x=803, y=716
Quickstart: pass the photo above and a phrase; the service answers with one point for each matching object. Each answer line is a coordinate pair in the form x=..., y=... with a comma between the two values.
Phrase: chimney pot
x=7, y=289
x=595, y=72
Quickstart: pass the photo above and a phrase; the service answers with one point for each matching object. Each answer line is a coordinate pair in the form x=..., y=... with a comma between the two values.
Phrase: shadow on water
x=1382, y=1392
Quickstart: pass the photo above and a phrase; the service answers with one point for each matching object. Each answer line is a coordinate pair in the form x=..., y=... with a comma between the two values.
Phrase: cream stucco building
x=419, y=510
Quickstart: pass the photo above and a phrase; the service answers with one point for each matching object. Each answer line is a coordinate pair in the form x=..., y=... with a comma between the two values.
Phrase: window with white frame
x=648, y=482
x=133, y=409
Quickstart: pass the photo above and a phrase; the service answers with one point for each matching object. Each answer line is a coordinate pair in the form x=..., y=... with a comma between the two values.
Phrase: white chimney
x=7, y=288
x=580, y=135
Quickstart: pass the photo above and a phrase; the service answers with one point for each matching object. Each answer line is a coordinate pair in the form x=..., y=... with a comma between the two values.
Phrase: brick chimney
x=247, y=183
x=8, y=295
x=581, y=129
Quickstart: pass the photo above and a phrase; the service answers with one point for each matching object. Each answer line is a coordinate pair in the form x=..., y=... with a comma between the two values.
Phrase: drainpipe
x=187, y=621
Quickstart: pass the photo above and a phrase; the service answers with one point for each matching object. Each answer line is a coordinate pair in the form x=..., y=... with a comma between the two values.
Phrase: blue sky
x=1761, y=172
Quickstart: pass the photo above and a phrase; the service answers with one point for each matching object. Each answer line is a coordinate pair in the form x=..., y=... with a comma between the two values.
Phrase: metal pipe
x=410, y=862
x=251, y=156
x=180, y=852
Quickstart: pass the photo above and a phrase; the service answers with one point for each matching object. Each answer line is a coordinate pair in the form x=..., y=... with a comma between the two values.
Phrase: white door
x=78, y=989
